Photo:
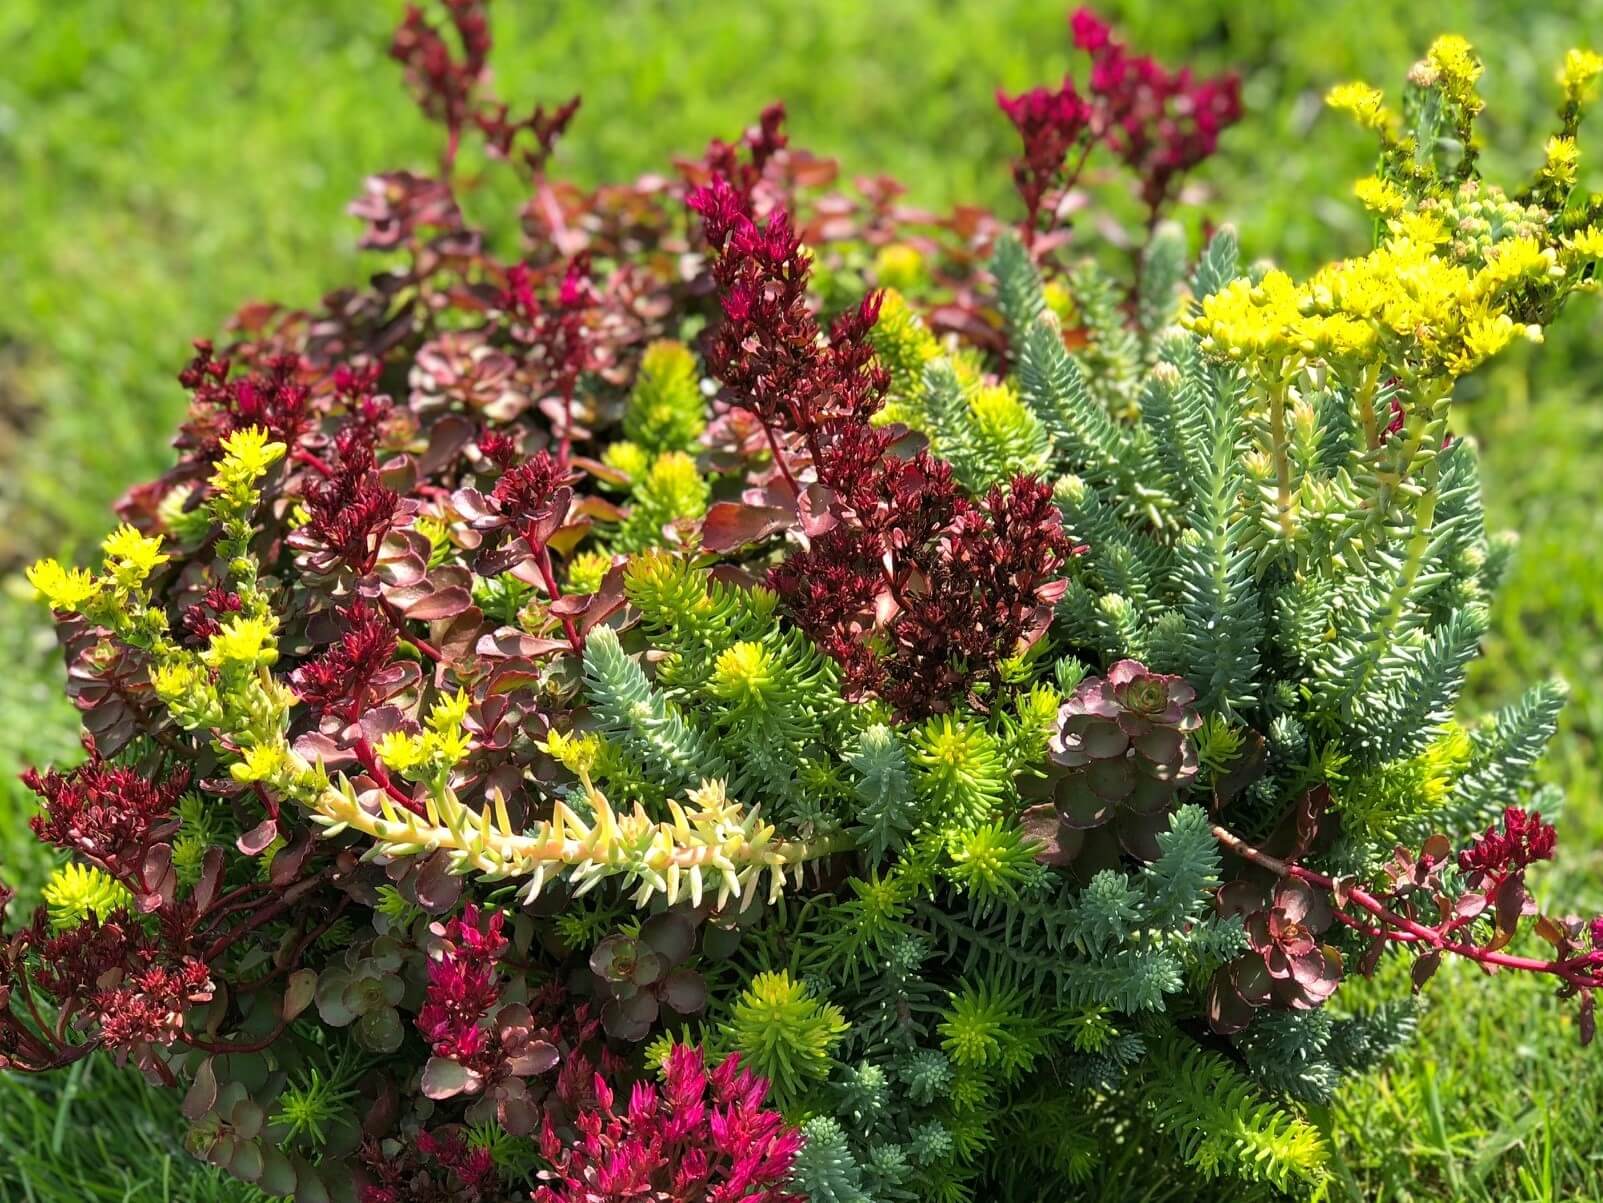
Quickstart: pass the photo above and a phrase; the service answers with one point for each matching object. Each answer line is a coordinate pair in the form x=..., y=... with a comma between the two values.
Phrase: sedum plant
x=765, y=694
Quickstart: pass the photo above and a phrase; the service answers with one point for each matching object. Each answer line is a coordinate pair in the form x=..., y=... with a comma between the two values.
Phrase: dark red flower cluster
x=434, y=1168
x=150, y=1008
x=452, y=90
x=349, y=509
x=531, y=498
x=200, y=620
x=557, y=331
x=481, y=1044
x=761, y=143
x=342, y=678
x=1523, y=840
x=1160, y=123
x=1051, y=124
x=273, y=398
x=108, y=812
x=768, y=351
x=702, y=1138
x=917, y=590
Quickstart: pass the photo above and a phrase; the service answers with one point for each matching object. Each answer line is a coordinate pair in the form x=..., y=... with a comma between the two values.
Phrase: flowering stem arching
x=1583, y=971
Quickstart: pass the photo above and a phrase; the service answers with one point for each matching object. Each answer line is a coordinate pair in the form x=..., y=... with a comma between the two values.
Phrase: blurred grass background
x=163, y=160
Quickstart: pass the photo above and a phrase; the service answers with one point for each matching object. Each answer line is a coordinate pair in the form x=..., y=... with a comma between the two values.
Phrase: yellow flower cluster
x=1366, y=104
x=65, y=589
x=437, y=748
x=243, y=642
x=247, y=454
x=1563, y=160
x=1455, y=70
x=1577, y=73
x=130, y=557
x=1426, y=315
x=1380, y=196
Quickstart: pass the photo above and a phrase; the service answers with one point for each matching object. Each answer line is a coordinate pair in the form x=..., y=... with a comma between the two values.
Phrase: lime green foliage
x=1224, y=1126
x=1394, y=802
x=75, y=892
x=670, y=490
x=311, y=1105
x=666, y=411
x=769, y=716
x=905, y=347
x=784, y=1033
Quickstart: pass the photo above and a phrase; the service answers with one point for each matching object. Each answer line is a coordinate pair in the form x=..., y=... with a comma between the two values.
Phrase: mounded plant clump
x=758, y=692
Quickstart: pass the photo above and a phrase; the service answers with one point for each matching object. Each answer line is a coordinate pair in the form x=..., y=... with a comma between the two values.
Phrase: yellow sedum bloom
x=247, y=454
x=1366, y=104
x=1380, y=196
x=403, y=752
x=1457, y=69
x=64, y=588
x=1577, y=73
x=131, y=556
x=1563, y=160
x=1588, y=244
x=251, y=642
x=260, y=763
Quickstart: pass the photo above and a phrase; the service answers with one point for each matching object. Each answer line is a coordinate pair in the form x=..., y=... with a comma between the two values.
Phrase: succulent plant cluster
x=773, y=695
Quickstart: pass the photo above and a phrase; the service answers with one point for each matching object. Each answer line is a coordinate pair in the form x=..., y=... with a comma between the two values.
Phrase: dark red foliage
x=200, y=620
x=1523, y=840
x=108, y=812
x=150, y=1008
x=1285, y=964
x=1052, y=124
x=528, y=494
x=273, y=398
x=349, y=508
x=700, y=1138
x=398, y=206
x=433, y=1168
x=556, y=331
x=340, y=678
x=916, y=589
x=454, y=90
x=1159, y=123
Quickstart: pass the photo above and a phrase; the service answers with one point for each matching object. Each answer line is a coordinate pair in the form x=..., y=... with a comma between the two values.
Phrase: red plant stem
x=417, y=641
x=376, y=770
x=291, y=897
x=565, y=443
x=1402, y=930
x=295, y=954
x=254, y=1046
x=542, y=559
x=781, y=464
x=302, y=456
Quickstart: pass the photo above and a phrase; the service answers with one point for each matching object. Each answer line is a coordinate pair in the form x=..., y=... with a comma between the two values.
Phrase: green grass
x=163, y=160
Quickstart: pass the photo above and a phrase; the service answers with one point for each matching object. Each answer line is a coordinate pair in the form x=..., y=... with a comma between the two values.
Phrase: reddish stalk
x=302, y=456
x=417, y=641
x=542, y=559
x=1400, y=929
x=376, y=770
